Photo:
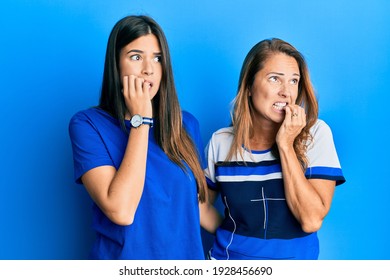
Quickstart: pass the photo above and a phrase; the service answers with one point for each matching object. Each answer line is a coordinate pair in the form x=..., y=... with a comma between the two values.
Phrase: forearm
x=126, y=188
x=118, y=192
x=304, y=201
x=210, y=219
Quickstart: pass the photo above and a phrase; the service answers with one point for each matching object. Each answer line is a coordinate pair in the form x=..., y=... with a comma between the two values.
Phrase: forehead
x=147, y=43
x=281, y=63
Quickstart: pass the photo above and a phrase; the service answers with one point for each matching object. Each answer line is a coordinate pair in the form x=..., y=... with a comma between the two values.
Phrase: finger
x=303, y=116
x=299, y=116
x=295, y=113
x=288, y=112
x=146, y=87
x=125, y=83
x=298, y=112
x=132, y=84
x=139, y=85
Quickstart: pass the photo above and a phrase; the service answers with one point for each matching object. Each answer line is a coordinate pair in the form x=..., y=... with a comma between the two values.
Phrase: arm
x=118, y=192
x=308, y=200
x=210, y=218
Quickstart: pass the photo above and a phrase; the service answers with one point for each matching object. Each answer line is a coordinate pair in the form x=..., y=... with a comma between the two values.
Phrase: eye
x=273, y=79
x=294, y=81
x=157, y=58
x=135, y=57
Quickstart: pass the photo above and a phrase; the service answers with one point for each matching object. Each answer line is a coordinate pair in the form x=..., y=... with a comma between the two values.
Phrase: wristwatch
x=138, y=120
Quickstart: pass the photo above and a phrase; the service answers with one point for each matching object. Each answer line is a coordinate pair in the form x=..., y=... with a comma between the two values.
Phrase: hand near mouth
x=294, y=122
x=136, y=92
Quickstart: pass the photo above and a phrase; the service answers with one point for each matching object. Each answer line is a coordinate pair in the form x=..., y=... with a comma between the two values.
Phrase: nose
x=147, y=68
x=284, y=91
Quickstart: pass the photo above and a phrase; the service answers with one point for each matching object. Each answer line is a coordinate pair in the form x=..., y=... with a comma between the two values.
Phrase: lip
x=149, y=82
x=279, y=105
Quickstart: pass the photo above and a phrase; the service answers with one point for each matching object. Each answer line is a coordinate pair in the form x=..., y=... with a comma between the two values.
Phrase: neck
x=263, y=137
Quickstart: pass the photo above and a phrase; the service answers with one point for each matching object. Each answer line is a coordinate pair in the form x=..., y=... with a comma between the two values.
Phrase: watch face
x=136, y=121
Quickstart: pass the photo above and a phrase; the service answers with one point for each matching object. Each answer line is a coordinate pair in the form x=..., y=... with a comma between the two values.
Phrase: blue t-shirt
x=258, y=223
x=166, y=224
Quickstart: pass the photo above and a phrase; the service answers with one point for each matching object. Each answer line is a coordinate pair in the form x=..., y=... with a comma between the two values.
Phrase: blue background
x=52, y=55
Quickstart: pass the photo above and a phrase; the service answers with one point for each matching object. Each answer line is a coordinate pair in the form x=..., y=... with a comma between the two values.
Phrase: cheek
x=294, y=95
x=262, y=93
x=258, y=100
x=127, y=68
x=158, y=71
x=158, y=75
x=121, y=66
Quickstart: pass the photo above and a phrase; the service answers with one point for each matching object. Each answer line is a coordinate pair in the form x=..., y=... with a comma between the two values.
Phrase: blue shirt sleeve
x=89, y=150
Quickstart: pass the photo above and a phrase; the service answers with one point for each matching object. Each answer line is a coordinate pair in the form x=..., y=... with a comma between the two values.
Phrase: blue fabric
x=259, y=211
x=326, y=173
x=238, y=247
x=166, y=224
x=258, y=223
x=261, y=168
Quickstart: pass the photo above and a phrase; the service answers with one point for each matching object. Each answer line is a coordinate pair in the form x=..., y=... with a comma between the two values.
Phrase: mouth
x=279, y=105
x=149, y=84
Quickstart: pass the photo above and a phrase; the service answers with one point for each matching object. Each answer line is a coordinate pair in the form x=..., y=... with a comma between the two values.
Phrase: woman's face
x=274, y=87
x=142, y=58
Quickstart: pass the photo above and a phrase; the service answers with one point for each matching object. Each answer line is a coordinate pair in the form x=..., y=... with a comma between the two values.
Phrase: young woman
x=137, y=153
x=276, y=167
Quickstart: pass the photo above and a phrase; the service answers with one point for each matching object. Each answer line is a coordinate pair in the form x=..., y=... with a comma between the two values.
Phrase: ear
x=249, y=91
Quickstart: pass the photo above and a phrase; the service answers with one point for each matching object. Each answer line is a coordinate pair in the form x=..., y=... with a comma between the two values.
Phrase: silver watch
x=138, y=120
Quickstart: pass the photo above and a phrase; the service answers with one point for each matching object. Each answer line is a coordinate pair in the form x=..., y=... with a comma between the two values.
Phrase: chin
x=279, y=119
x=153, y=95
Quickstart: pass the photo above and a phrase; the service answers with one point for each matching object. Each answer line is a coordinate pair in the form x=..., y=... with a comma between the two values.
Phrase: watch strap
x=146, y=120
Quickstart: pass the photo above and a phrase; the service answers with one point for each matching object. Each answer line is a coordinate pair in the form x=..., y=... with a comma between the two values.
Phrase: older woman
x=276, y=167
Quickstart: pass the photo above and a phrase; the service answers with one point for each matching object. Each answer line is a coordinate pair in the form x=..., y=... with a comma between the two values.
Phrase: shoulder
x=225, y=132
x=85, y=114
x=90, y=115
x=320, y=128
x=189, y=119
x=322, y=135
x=91, y=119
x=222, y=136
x=190, y=123
x=219, y=145
x=320, y=125
x=92, y=112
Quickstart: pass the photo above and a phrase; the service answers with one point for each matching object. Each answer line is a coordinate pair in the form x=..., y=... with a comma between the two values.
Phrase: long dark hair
x=169, y=131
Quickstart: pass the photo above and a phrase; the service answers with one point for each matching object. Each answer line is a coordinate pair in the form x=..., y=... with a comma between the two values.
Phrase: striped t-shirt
x=258, y=223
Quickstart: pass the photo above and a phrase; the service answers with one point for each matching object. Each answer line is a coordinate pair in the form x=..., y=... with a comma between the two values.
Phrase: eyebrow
x=282, y=74
x=139, y=51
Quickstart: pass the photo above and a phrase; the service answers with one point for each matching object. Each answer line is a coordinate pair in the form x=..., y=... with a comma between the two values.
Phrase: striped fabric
x=258, y=223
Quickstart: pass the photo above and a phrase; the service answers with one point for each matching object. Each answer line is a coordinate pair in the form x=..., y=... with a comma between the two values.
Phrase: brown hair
x=242, y=106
